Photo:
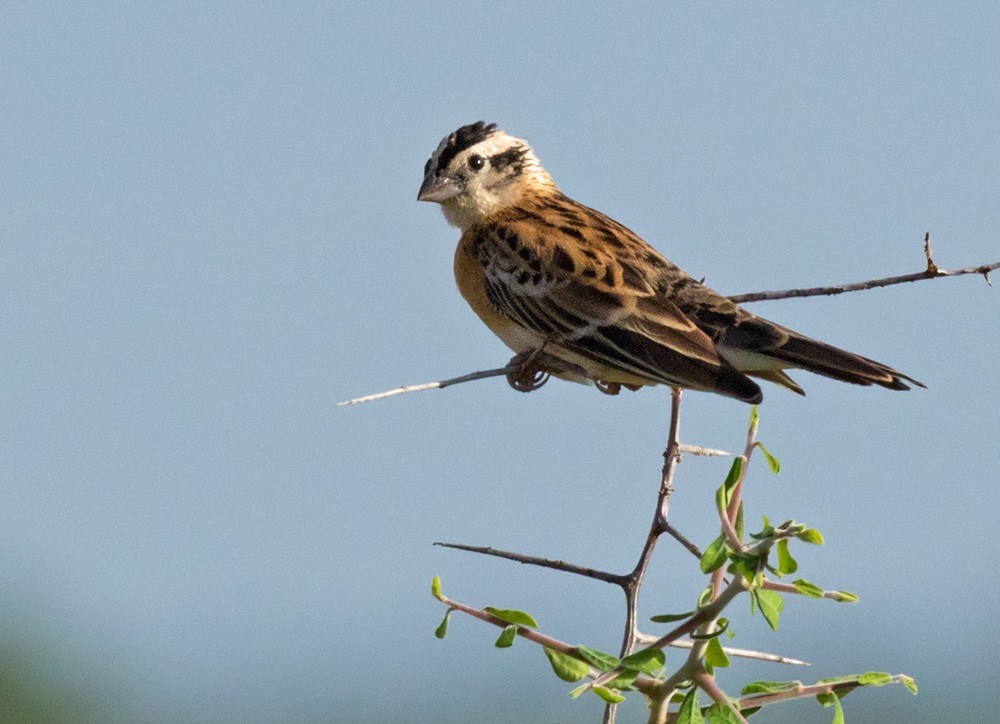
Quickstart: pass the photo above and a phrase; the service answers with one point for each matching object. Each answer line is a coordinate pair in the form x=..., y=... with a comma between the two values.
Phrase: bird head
x=478, y=171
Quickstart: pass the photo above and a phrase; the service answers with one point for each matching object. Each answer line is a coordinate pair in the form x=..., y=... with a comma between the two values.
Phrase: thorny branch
x=702, y=623
x=931, y=271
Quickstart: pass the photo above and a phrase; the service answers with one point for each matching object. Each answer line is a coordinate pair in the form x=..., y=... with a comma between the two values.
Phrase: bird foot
x=608, y=388
x=528, y=377
x=613, y=388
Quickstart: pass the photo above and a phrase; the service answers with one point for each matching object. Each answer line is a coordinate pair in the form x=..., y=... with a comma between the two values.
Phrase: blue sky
x=210, y=237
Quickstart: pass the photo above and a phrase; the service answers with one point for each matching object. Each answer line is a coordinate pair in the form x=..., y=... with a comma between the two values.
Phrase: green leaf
x=719, y=713
x=598, y=659
x=811, y=535
x=579, y=690
x=506, y=638
x=721, y=626
x=770, y=687
x=766, y=532
x=754, y=420
x=786, y=564
x=646, y=660
x=566, y=667
x=833, y=700
x=690, y=711
x=735, y=471
x=909, y=683
x=846, y=597
x=846, y=679
x=678, y=696
x=436, y=587
x=838, y=711
x=513, y=616
x=738, y=525
x=746, y=564
x=442, y=630
x=807, y=589
x=705, y=597
x=610, y=696
x=721, y=501
x=770, y=604
x=715, y=656
x=772, y=462
x=623, y=680
x=875, y=678
x=715, y=555
x=671, y=617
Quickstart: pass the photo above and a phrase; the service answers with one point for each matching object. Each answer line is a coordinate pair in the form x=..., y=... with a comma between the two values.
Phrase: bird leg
x=528, y=376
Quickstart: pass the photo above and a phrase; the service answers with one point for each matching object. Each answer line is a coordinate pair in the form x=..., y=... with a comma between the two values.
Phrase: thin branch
x=789, y=588
x=757, y=700
x=709, y=612
x=482, y=375
x=643, y=638
x=702, y=451
x=615, y=578
x=680, y=538
x=633, y=582
x=706, y=683
x=643, y=682
x=930, y=272
x=619, y=580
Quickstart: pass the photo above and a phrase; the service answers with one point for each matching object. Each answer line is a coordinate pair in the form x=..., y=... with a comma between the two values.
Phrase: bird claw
x=527, y=377
x=608, y=388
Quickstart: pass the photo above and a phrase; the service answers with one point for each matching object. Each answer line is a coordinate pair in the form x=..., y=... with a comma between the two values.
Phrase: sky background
x=209, y=236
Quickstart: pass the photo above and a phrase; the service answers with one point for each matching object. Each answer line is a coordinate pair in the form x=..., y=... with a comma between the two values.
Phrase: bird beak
x=438, y=188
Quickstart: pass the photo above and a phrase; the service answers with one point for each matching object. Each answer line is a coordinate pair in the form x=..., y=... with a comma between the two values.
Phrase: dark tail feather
x=735, y=384
x=829, y=361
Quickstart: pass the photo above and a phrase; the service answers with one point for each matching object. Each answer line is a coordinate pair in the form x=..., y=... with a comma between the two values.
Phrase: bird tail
x=764, y=349
x=830, y=361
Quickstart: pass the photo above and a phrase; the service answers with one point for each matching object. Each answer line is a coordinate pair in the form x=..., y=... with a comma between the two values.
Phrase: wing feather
x=596, y=301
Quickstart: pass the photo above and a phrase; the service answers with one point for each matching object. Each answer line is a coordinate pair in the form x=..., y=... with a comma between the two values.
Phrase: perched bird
x=545, y=272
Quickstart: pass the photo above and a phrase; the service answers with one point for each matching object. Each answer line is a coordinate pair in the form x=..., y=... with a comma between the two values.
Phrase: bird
x=578, y=294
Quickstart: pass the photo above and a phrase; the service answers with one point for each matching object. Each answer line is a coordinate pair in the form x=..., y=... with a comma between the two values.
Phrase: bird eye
x=476, y=162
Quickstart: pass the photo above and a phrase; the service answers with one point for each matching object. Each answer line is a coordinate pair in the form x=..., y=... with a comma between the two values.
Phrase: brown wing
x=566, y=270
x=753, y=345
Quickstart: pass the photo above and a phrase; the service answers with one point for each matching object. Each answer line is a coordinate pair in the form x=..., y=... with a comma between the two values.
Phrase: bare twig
x=932, y=268
x=931, y=272
x=680, y=538
x=643, y=638
x=633, y=582
x=615, y=578
x=702, y=451
x=484, y=374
